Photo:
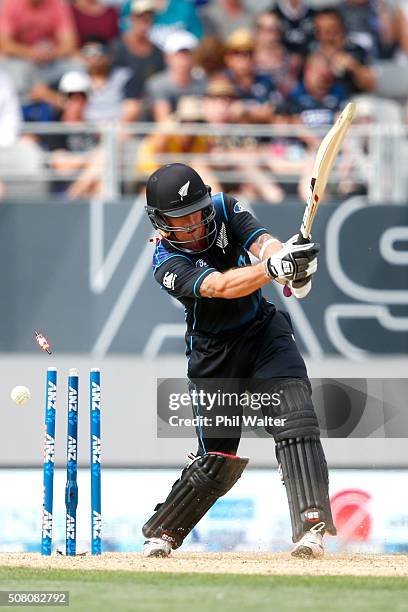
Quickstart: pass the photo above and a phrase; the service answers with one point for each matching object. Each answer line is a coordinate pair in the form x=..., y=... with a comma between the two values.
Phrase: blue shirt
x=313, y=112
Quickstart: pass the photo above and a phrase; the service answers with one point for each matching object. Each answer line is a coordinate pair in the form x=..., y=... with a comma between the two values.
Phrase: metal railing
x=374, y=156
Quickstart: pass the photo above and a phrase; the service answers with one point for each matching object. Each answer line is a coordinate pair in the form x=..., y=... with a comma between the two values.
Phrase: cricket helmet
x=175, y=191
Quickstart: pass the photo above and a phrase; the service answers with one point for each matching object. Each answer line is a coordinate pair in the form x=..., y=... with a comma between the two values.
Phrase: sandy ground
x=222, y=563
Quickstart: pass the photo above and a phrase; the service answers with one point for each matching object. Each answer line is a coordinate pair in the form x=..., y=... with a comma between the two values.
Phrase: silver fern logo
x=222, y=240
x=183, y=191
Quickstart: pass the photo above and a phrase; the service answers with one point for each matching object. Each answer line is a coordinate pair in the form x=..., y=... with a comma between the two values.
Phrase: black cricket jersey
x=181, y=274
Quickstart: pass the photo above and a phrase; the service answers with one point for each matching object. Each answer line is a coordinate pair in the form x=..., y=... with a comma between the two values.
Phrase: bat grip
x=301, y=239
x=287, y=290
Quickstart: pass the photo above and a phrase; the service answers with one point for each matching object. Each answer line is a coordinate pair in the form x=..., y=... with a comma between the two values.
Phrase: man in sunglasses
x=234, y=334
x=256, y=92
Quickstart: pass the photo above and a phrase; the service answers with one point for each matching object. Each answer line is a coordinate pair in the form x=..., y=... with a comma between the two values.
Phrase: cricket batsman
x=202, y=260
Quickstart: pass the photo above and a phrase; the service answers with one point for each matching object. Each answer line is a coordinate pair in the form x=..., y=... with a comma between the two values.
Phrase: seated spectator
x=209, y=55
x=178, y=80
x=314, y=103
x=135, y=50
x=168, y=142
x=271, y=56
x=38, y=35
x=236, y=154
x=296, y=21
x=316, y=99
x=75, y=157
x=256, y=92
x=170, y=16
x=370, y=25
x=109, y=97
x=224, y=17
x=348, y=61
x=94, y=19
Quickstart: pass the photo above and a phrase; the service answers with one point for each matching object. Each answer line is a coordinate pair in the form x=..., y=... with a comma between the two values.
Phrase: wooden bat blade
x=325, y=158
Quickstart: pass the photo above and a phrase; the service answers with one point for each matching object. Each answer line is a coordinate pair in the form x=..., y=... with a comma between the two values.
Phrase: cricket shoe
x=311, y=544
x=156, y=547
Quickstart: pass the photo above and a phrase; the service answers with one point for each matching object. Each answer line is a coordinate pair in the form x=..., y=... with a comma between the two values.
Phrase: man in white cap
x=74, y=154
x=166, y=88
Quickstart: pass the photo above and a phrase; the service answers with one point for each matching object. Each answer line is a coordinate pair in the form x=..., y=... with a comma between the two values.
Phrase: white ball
x=20, y=395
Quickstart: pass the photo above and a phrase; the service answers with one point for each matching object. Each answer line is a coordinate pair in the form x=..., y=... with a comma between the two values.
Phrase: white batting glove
x=293, y=262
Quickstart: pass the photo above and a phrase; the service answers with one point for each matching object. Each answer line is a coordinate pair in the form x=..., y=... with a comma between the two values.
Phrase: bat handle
x=287, y=292
x=301, y=239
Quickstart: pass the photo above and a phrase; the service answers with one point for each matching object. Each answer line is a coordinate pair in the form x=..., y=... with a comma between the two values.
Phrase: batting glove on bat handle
x=293, y=262
x=300, y=289
x=288, y=289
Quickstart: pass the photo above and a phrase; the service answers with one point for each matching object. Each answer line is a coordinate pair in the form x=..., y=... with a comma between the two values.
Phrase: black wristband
x=269, y=269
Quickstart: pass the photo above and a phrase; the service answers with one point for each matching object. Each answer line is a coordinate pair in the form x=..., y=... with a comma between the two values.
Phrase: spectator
x=296, y=20
x=171, y=16
x=178, y=80
x=314, y=103
x=370, y=25
x=256, y=92
x=93, y=19
x=316, y=99
x=348, y=61
x=209, y=55
x=237, y=154
x=271, y=56
x=109, y=97
x=38, y=33
x=163, y=142
x=135, y=50
x=76, y=157
x=223, y=17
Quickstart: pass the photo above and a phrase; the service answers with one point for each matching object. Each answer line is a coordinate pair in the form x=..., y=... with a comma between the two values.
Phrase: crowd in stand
x=182, y=61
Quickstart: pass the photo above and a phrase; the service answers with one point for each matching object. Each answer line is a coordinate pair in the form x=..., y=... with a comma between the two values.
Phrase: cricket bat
x=325, y=158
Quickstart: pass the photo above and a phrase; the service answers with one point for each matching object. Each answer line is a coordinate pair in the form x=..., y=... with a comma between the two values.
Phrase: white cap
x=180, y=41
x=75, y=82
x=138, y=7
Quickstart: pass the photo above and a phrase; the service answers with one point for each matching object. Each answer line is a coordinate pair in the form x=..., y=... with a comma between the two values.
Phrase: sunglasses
x=93, y=51
x=245, y=53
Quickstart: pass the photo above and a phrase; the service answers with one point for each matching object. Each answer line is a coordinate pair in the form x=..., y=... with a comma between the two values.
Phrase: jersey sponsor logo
x=222, y=240
x=238, y=207
x=200, y=263
x=169, y=280
x=183, y=191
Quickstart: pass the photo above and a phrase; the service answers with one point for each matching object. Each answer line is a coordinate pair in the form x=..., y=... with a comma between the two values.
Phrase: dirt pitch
x=221, y=563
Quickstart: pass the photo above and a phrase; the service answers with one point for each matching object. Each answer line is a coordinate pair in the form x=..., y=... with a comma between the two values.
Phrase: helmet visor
x=189, y=208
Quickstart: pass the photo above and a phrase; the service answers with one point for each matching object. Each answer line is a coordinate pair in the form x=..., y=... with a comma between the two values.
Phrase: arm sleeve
x=243, y=224
x=180, y=278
